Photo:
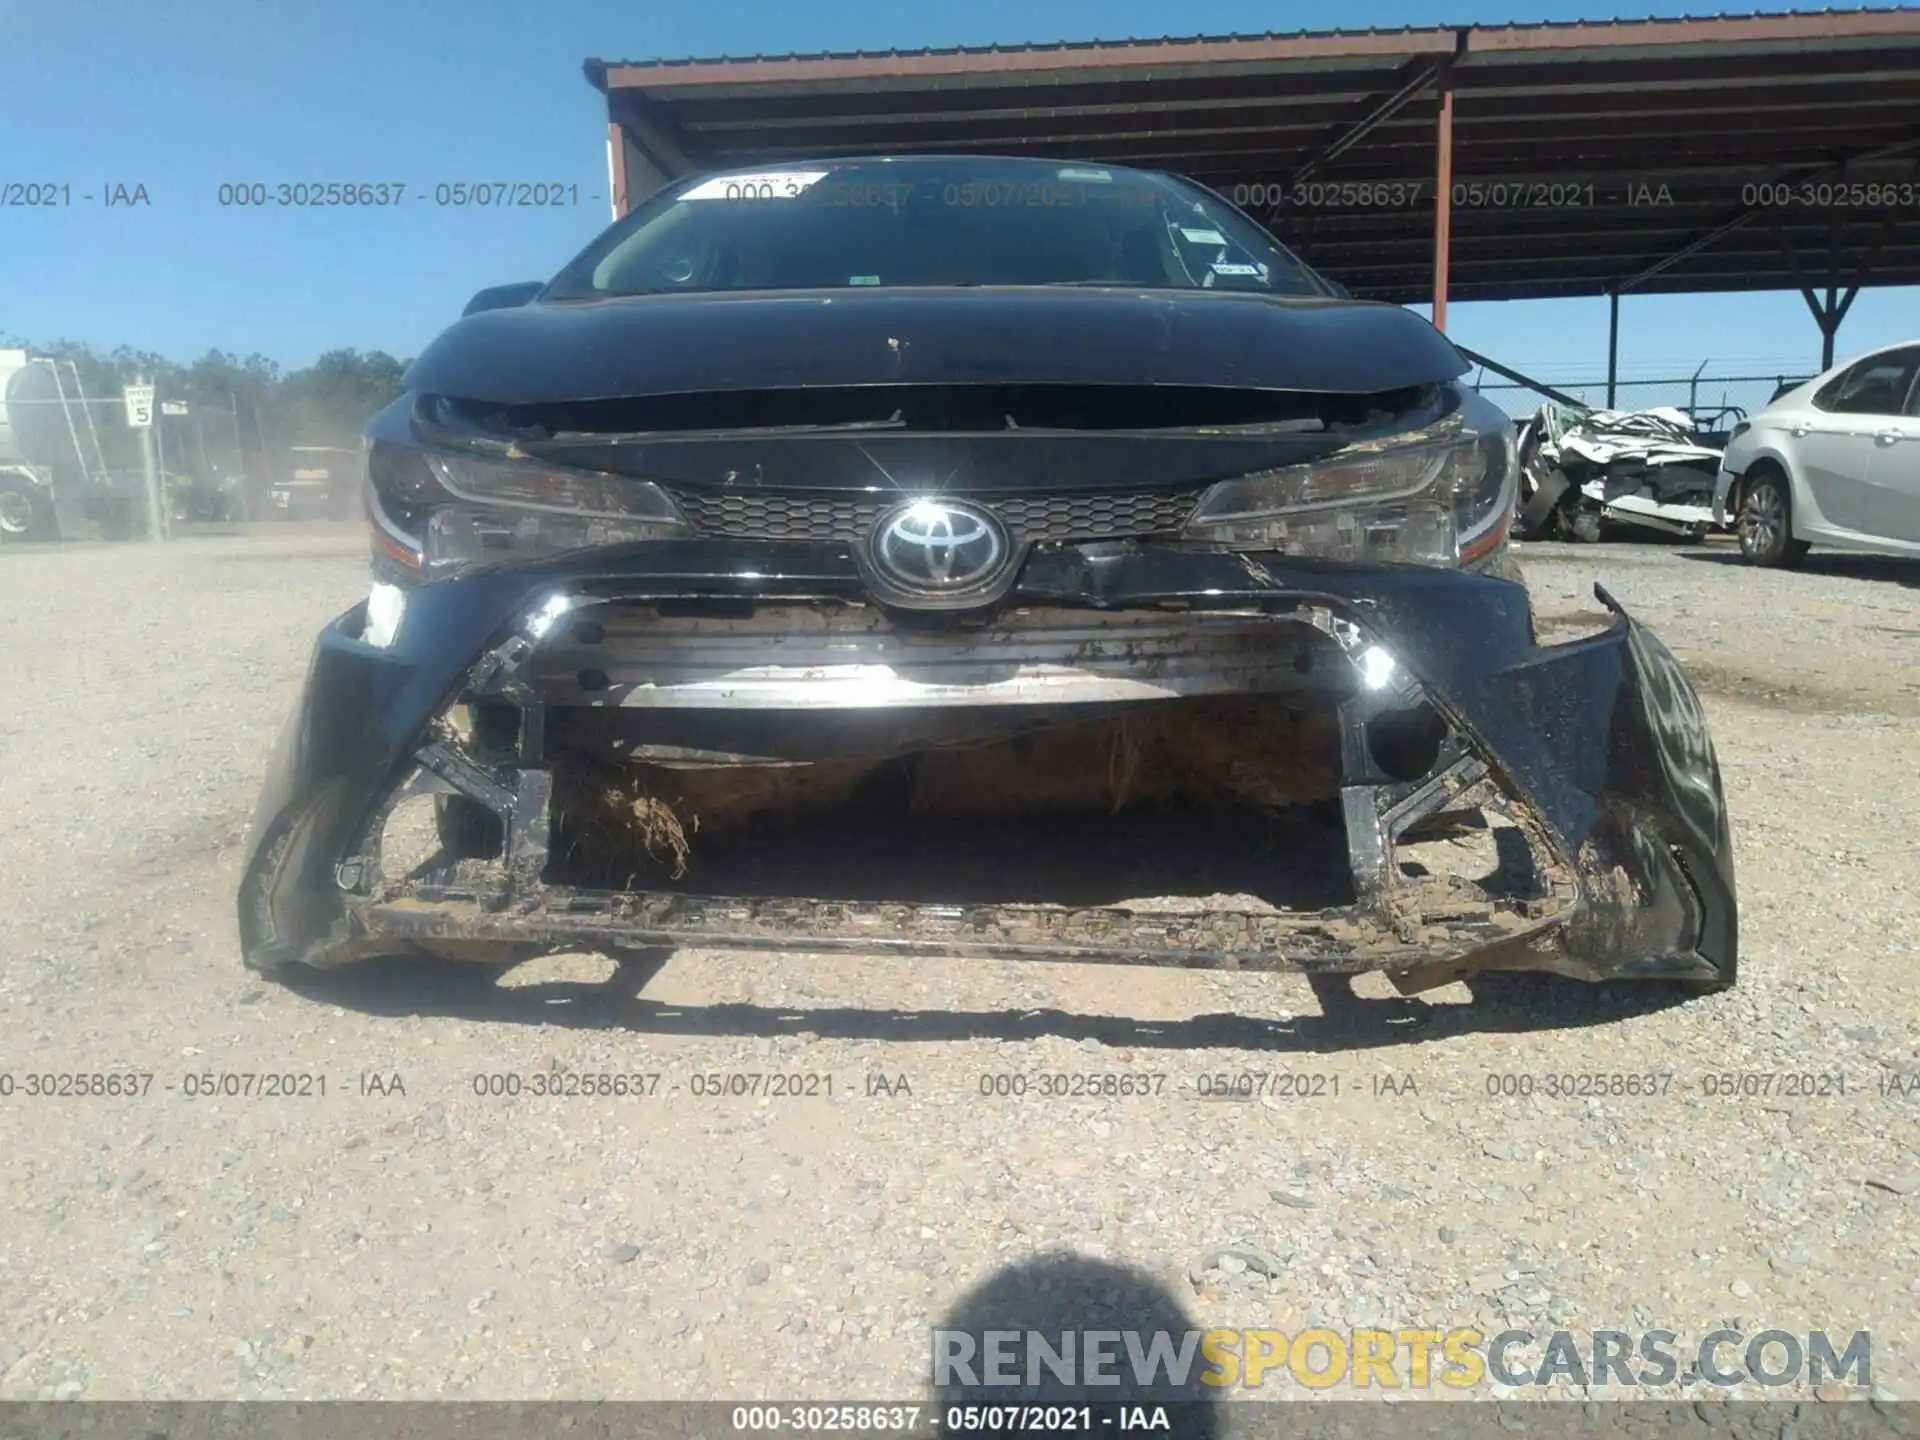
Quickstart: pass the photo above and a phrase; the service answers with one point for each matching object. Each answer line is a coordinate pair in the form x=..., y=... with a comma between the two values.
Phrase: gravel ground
x=412, y=1239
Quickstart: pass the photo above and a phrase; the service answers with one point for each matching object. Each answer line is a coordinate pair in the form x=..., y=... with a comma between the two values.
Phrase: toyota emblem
x=937, y=547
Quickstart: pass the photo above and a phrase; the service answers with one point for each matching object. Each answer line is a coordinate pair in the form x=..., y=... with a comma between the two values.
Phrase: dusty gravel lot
x=438, y=1242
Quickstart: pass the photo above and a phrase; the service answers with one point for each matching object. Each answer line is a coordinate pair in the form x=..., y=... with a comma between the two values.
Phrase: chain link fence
x=1706, y=397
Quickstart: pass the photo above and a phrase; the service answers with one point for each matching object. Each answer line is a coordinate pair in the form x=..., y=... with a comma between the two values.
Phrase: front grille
x=834, y=516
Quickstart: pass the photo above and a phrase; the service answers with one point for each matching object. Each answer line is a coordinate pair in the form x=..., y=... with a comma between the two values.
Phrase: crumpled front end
x=1146, y=755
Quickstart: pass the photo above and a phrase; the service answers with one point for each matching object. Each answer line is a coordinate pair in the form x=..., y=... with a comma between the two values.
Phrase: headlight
x=532, y=485
x=1437, y=497
x=446, y=513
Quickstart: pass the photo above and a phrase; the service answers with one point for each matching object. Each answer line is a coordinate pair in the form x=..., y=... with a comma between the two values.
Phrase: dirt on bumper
x=1583, y=770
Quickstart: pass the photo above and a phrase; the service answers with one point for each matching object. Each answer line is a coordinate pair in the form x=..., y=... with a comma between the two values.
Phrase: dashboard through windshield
x=919, y=222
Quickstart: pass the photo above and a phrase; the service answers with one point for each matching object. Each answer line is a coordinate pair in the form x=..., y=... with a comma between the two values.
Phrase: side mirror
x=1340, y=292
x=503, y=297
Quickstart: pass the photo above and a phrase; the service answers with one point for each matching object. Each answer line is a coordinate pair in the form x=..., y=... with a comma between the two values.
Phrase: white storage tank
x=34, y=428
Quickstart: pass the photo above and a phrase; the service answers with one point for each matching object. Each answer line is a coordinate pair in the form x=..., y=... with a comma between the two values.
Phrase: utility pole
x=239, y=455
x=156, y=510
x=200, y=434
x=266, y=466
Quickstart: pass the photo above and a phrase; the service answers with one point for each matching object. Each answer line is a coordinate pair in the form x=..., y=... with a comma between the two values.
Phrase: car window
x=1878, y=385
x=933, y=221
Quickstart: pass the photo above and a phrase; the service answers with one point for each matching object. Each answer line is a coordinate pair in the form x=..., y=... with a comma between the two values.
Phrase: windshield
x=843, y=224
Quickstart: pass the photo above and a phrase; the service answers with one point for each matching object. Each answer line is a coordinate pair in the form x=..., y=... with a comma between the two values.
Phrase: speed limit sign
x=139, y=402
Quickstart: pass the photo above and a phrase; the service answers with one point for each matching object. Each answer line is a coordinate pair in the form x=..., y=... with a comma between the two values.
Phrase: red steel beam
x=1443, y=203
x=617, y=168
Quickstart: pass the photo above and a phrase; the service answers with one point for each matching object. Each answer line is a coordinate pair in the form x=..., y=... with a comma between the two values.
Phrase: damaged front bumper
x=1644, y=509
x=1592, y=755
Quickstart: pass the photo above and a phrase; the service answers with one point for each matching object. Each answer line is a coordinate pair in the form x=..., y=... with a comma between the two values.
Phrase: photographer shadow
x=1062, y=1297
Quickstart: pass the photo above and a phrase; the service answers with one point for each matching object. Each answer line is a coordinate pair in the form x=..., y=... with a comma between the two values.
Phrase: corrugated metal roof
x=1023, y=48
x=1246, y=37
x=1587, y=155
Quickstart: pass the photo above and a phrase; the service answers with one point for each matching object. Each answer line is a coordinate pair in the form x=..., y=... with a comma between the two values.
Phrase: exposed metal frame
x=1393, y=923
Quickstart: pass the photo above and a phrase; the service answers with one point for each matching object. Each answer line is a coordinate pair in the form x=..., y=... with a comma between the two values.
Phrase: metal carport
x=1738, y=152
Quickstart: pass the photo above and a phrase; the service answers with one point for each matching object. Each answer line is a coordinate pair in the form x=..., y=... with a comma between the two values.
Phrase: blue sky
x=184, y=97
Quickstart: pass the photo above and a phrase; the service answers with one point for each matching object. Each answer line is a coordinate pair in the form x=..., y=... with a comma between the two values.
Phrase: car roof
x=1870, y=354
x=1839, y=367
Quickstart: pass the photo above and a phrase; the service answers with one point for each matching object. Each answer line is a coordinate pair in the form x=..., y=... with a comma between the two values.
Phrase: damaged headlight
x=444, y=513
x=1442, y=496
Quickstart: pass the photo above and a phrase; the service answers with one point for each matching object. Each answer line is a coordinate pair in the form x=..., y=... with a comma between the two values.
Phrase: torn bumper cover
x=1594, y=753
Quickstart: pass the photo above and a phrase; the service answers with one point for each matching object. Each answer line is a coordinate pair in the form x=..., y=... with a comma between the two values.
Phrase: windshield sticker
x=863, y=280
x=1097, y=177
x=760, y=185
x=1203, y=237
x=1227, y=267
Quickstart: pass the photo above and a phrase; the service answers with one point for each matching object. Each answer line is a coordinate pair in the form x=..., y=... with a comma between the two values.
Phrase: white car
x=1835, y=461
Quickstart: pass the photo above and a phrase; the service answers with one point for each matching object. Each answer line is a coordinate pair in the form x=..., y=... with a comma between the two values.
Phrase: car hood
x=548, y=353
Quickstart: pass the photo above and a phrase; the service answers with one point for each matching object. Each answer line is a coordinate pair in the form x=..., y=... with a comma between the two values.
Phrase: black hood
x=543, y=354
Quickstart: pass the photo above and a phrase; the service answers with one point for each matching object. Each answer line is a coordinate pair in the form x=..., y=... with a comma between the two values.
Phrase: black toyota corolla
x=969, y=556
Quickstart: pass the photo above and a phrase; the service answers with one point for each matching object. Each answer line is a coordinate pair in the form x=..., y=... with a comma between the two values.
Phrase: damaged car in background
x=1647, y=469
x=972, y=557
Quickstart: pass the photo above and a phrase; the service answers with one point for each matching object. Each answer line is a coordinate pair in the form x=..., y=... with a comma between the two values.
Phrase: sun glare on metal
x=386, y=607
x=1376, y=668
x=542, y=619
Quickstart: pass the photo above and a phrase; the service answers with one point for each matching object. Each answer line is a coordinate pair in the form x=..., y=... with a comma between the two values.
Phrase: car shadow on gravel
x=1501, y=1004
x=1838, y=564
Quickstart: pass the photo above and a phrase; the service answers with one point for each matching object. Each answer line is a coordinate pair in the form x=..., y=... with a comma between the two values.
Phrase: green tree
x=327, y=403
